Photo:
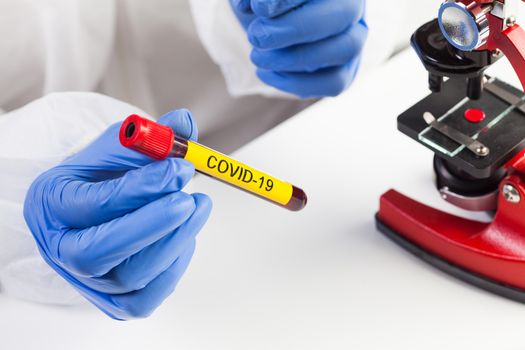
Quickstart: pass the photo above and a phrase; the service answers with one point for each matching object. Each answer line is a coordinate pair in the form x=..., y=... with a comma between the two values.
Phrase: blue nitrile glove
x=310, y=48
x=116, y=225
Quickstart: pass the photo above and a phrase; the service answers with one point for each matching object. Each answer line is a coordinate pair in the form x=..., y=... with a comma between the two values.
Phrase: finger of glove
x=95, y=251
x=100, y=202
x=274, y=8
x=314, y=21
x=243, y=11
x=322, y=83
x=242, y=6
x=331, y=52
x=182, y=123
x=142, y=268
x=106, y=156
x=142, y=303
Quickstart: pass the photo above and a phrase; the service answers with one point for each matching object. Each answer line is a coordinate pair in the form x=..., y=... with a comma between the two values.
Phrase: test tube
x=159, y=142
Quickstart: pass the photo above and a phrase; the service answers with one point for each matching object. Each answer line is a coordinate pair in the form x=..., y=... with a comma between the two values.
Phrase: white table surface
x=324, y=278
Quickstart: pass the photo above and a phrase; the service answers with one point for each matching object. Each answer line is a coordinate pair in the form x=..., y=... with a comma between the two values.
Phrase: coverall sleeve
x=48, y=46
x=33, y=139
x=391, y=25
x=227, y=44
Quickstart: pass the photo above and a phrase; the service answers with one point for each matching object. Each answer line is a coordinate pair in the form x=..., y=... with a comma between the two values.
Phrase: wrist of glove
x=116, y=225
x=310, y=48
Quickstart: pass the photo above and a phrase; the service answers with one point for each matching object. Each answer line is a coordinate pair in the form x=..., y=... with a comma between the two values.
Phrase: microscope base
x=485, y=255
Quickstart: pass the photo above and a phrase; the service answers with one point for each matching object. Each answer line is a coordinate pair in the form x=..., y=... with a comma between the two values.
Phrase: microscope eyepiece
x=464, y=28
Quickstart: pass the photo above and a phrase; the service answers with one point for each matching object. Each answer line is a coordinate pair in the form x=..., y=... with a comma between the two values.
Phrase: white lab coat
x=150, y=57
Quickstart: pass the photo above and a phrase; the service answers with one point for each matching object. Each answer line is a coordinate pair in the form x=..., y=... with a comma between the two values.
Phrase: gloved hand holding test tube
x=159, y=142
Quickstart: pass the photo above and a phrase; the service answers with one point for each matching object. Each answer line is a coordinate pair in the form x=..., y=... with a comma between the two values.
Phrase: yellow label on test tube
x=238, y=174
x=158, y=142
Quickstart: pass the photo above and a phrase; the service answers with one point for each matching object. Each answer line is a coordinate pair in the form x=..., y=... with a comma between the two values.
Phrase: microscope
x=475, y=125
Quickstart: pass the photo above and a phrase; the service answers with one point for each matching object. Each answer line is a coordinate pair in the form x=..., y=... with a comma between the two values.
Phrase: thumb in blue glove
x=116, y=225
x=310, y=48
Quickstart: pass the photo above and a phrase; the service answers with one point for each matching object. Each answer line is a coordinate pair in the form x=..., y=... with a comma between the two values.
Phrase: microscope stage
x=501, y=132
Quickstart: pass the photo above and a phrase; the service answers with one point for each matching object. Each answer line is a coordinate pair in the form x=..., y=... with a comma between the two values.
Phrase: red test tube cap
x=147, y=137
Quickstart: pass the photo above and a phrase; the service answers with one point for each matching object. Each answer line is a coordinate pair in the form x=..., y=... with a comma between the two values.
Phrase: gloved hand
x=310, y=48
x=116, y=225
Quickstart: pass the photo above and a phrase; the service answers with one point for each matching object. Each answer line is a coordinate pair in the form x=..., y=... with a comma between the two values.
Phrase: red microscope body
x=488, y=255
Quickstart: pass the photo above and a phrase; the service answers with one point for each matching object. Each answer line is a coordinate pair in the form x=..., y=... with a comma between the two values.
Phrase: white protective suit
x=157, y=55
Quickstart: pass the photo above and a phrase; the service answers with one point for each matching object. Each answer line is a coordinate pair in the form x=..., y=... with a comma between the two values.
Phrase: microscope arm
x=511, y=42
